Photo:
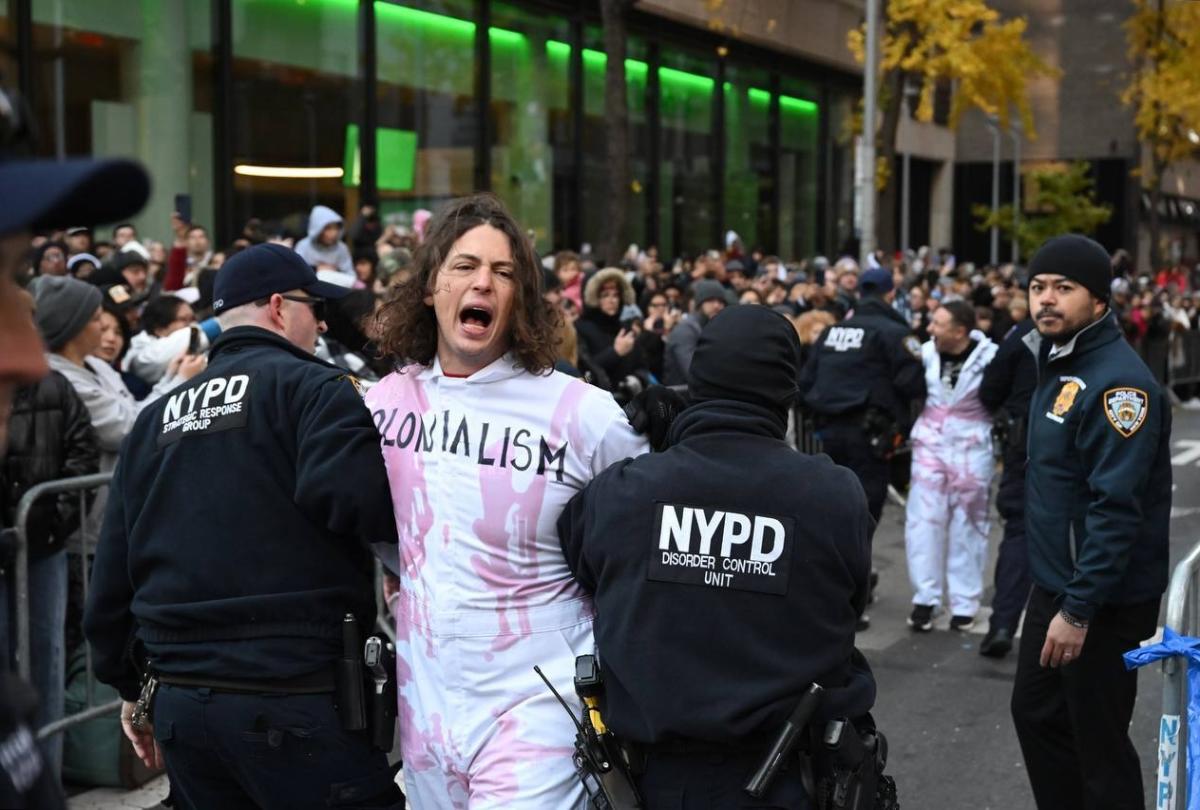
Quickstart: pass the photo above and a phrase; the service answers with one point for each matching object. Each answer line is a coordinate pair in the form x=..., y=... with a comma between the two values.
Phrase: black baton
x=785, y=743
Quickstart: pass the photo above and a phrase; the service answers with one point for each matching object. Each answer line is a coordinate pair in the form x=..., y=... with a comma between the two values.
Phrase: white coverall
x=480, y=469
x=946, y=526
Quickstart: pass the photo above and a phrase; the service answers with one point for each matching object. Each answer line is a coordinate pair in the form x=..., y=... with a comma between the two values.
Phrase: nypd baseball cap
x=877, y=280
x=263, y=270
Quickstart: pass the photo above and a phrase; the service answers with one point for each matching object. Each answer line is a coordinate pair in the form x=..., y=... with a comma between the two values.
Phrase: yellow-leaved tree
x=1164, y=92
x=928, y=42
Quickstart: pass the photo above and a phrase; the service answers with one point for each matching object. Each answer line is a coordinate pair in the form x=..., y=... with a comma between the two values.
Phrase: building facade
x=264, y=108
x=1079, y=116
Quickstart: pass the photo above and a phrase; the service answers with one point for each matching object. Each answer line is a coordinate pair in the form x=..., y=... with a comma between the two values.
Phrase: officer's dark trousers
x=697, y=781
x=1073, y=721
x=847, y=444
x=1012, y=563
x=234, y=751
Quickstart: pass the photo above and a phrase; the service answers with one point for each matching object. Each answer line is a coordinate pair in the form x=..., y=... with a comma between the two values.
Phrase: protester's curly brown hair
x=405, y=327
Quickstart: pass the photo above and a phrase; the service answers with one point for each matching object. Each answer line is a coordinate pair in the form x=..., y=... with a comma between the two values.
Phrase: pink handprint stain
x=509, y=527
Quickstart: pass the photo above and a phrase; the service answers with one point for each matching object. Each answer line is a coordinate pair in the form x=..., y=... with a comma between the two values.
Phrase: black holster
x=349, y=678
x=383, y=700
x=882, y=432
x=848, y=764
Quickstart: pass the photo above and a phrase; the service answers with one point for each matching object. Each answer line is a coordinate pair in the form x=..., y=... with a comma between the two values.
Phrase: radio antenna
x=566, y=707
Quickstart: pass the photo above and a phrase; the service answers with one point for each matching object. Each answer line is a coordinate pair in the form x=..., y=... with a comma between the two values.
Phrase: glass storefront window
x=749, y=178
x=426, y=89
x=686, y=213
x=531, y=154
x=594, y=175
x=799, y=169
x=115, y=78
x=295, y=95
x=841, y=238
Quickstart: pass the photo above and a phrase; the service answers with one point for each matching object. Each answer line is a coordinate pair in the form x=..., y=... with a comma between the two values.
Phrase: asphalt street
x=944, y=708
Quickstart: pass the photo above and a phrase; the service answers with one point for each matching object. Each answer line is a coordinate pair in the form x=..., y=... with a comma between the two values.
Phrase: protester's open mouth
x=475, y=320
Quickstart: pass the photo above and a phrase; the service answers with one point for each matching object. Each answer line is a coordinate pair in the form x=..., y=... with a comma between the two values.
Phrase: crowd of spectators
x=127, y=318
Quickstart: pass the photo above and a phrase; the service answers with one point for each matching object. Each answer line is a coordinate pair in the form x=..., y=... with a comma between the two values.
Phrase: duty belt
x=751, y=743
x=315, y=683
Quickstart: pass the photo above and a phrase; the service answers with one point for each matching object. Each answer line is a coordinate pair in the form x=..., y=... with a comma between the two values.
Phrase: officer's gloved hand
x=652, y=411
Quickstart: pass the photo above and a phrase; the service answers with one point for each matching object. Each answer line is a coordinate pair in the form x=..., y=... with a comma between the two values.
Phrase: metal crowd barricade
x=1183, y=616
x=1188, y=371
x=82, y=485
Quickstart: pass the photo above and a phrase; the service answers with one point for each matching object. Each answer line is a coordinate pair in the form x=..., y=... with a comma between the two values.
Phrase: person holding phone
x=169, y=331
x=614, y=346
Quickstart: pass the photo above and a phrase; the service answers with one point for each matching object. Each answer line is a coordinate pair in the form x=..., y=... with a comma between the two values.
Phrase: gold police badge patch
x=1126, y=409
x=1066, y=398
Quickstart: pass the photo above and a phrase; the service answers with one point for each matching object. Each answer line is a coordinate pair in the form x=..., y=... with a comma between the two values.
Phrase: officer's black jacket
x=236, y=533
x=1098, y=481
x=1009, y=380
x=871, y=358
x=718, y=662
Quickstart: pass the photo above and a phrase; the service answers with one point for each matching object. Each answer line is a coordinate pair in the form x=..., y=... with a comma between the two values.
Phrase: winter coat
x=1098, y=482
x=597, y=332
x=149, y=355
x=50, y=436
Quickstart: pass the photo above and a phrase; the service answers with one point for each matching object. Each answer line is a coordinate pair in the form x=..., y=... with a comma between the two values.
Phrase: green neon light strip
x=635, y=69
x=789, y=104
x=432, y=23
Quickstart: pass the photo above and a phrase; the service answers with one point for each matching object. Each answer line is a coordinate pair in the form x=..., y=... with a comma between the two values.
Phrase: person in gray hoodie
x=323, y=248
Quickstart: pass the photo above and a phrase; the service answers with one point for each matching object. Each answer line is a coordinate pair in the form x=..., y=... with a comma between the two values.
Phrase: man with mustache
x=1098, y=503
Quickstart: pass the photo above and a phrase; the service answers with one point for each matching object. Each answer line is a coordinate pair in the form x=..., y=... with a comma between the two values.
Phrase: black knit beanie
x=1078, y=258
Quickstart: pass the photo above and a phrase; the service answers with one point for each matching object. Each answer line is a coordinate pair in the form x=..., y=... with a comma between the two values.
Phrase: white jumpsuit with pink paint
x=480, y=469
x=946, y=526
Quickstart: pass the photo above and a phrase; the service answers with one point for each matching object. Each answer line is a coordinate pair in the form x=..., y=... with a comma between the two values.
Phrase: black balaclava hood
x=748, y=354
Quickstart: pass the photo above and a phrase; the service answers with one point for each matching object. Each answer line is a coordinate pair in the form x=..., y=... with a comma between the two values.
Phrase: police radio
x=599, y=761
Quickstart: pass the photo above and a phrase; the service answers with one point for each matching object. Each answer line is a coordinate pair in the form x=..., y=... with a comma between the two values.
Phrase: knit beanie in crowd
x=64, y=307
x=707, y=290
x=1078, y=258
x=748, y=354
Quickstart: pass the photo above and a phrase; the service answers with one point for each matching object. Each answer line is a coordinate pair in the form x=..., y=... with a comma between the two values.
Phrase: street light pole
x=870, y=93
x=910, y=91
x=1016, y=136
x=994, y=254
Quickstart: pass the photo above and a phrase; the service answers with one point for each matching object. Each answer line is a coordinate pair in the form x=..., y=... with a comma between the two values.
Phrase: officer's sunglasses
x=317, y=304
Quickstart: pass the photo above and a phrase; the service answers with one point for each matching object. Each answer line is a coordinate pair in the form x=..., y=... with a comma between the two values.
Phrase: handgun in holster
x=600, y=759
x=848, y=767
x=380, y=659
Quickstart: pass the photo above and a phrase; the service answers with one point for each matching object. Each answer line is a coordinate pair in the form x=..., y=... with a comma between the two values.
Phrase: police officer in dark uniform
x=861, y=381
x=727, y=573
x=1098, y=515
x=234, y=551
x=1006, y=388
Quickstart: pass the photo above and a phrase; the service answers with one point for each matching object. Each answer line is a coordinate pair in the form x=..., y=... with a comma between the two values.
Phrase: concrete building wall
x=1078, y=115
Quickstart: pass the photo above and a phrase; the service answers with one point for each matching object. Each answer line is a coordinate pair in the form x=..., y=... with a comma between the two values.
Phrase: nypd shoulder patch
x=1126, y=409
x=913, y=345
